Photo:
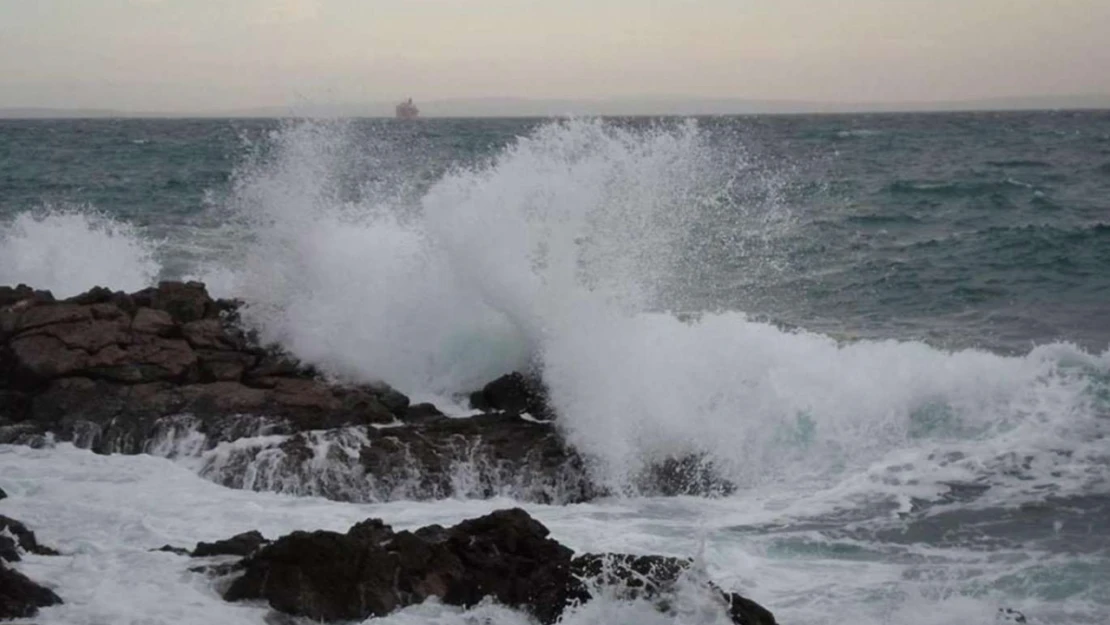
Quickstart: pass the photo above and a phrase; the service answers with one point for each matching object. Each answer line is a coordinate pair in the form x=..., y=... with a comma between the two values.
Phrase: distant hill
x=524, y=107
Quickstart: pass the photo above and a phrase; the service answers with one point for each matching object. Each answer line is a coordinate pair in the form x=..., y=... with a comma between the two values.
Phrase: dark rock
x=3, y=495
x=15, y=406
x=223, y=366
x=653, y=578
x=507, y=556
x=95, y=295
x=20, y=597
x=394, y=401
x=25, y=539
x=9, y=295
x=178, y=551
x=504, y=453
x=636, y=576
x=185, y=302
x=422, y=413
x=685, y=475
x=371, y=571
x=1010, y=615
x=239, y=545
x=516, y=393
x=744, y=611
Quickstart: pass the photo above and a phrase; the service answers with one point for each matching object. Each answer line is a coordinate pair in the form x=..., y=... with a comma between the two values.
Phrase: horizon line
x=633, y=106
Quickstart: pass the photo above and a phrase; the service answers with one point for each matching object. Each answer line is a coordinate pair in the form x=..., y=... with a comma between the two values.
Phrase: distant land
x=646, y=106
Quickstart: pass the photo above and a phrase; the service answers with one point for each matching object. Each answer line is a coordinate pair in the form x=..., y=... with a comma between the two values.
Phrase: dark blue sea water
x=891, y=330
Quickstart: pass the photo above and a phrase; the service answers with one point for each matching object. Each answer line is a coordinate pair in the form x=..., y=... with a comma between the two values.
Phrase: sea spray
x=69, y=250
x=564, y=253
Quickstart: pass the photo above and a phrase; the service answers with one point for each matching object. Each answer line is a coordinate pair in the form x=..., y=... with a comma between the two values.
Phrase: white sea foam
x=69, y=251
x=104, y=513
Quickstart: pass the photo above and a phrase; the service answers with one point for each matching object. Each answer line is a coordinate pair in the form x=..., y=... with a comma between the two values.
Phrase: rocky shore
x=170, y=371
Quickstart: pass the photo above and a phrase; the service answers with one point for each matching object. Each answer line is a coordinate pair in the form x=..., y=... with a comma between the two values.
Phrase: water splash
x=69, y=250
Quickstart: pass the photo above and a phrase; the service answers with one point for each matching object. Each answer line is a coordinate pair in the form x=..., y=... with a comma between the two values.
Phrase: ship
x=407, y=110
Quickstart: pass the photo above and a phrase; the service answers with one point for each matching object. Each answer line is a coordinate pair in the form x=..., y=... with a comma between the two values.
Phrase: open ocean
x=892, y=332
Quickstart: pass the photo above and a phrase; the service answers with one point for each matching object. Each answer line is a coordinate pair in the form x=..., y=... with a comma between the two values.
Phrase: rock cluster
x=117, y=372
x=19, y=596
x=372, y=570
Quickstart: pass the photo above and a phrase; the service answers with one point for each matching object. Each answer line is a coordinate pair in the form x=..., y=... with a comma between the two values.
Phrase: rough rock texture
x=507, y=555
x=150, y=371
x=515, y=393
x=15, y=536
x=239, y=545
x=654, y=578
x=21, y=597
x=112, y=364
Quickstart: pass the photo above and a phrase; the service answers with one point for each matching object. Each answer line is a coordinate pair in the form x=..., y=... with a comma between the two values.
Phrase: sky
x=212, y=55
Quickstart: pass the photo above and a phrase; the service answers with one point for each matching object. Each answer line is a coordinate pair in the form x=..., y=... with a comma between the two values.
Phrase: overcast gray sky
x=220, y=54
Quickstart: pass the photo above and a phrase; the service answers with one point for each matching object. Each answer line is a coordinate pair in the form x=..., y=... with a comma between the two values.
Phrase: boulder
x=3, y=495
x=20, y=597
x=239, y=545
x=516, y=393
x=506, y=555
x=372, y=571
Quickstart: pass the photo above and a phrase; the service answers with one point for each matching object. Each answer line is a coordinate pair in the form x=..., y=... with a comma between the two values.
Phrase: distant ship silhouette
x=407, y=110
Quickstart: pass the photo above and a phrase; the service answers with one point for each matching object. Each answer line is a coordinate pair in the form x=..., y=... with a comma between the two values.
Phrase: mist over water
x=68, y=250
x=595, y=253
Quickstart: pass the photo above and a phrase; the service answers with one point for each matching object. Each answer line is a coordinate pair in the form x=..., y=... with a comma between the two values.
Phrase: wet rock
x=178, y=551
x=502, y=454
x=507, y=556
x=371, y=571
x=3, y=495
x=185, y=302
x=17, y=534
x=20, y=597
x=239, y=545
x=684, y=475
x=422, y=413
x=516, y=393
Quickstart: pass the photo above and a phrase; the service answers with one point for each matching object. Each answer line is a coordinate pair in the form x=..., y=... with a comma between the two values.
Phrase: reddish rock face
x=122, y=361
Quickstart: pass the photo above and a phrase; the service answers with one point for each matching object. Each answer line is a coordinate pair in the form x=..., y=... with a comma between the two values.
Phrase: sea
x=890, y=331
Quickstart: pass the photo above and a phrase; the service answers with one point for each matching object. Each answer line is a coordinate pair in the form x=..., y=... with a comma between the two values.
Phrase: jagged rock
x=185, y=302
x=124, y=419
x=503, y=453
x=3, y=495
x=371, y=571
x=23, y=538
x=20, y=597
x=239, y=545
x=506, y=555
x=685, y=475
x=653, y=578
x=422, y=413
x=516, y=393
x=177, y=551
